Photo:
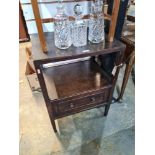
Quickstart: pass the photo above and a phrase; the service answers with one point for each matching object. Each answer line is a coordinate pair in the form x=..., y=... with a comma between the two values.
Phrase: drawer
x=81, y=103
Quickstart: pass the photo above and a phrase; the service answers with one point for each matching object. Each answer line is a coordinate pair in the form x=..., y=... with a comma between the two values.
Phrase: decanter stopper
x=79, y=31
x=78, y=9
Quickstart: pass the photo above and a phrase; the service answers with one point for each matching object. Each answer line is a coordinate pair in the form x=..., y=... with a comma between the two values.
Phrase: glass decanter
x=79, y=29
x=96, y=23
x=62, y=32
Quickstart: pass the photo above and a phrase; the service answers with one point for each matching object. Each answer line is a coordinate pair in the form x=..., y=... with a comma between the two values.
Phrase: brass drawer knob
x=71, y=105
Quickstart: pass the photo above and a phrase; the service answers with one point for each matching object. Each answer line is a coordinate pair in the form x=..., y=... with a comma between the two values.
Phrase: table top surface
x=54, y=54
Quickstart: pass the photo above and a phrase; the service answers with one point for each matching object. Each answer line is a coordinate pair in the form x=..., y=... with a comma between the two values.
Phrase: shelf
x=73, y=79
x=54, y=54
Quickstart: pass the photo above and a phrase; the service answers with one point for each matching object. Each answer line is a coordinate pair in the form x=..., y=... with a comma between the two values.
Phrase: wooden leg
x=45, y=94
x=125, y=79
x=111, y=99
x=51, y=118
x=106, y=109
x=53, y=125
x=133, y=74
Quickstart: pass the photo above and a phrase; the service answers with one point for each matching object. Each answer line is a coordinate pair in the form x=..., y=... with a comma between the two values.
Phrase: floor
x=86, y=133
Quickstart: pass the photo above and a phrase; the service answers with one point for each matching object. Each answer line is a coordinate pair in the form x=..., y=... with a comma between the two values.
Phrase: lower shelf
x=74, y=79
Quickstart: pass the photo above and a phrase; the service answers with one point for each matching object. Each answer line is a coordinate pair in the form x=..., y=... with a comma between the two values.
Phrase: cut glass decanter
x=62, y=32
x=96, y=23
x=79, y=29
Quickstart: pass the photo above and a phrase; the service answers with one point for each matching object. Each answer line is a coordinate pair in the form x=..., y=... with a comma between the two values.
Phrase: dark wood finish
x=78, y=86
x=78, y=77
x=54, y=54
x=129, y=60
x=81, y=103
x=23, y=32
x=45, y=94
x=128, y=70
x=118, y=61
x=128, y=38
x=130, y=47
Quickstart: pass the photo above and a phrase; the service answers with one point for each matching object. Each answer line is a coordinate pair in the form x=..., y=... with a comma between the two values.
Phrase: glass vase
x=96, y=23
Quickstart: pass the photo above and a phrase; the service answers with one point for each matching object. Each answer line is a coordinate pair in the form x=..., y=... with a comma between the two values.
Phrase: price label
x=114, y=70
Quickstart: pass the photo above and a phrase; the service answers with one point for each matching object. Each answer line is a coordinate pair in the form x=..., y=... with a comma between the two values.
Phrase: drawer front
x=81, y=103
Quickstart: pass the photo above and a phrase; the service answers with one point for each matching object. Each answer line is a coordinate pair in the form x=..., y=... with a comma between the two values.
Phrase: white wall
x=47, y=11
